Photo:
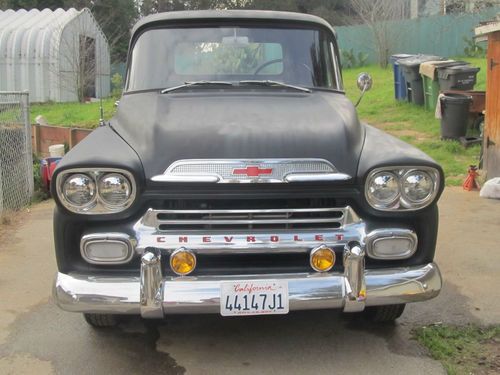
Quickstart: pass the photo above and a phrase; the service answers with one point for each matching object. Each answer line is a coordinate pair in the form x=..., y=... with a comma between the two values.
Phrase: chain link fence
x=16, y=159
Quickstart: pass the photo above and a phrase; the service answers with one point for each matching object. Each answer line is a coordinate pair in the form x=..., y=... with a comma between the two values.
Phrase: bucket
x=56, y=151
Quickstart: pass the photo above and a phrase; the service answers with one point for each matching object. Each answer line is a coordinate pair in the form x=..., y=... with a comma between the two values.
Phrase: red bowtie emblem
x=252, y=171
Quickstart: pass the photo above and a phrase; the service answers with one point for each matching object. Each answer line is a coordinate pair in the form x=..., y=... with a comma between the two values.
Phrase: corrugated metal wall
x=39, y=52
x=436, y=35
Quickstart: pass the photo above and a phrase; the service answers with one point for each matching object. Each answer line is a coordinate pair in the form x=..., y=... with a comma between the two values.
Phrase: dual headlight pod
x=96, y=191
x=401, y=188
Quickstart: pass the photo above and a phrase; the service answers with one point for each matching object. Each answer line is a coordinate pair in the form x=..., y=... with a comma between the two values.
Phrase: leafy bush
x=39, y=192
x=117, y=83
x=350, y=60
x=472, y=49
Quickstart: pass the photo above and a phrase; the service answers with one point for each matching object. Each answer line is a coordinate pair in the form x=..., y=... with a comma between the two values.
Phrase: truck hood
x=260, y=124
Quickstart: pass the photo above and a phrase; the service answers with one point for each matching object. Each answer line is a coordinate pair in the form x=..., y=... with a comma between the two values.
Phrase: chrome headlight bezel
x=404, y=203
x=99, y=206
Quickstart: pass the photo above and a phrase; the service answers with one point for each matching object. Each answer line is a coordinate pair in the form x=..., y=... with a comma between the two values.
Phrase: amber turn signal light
x=182, y=261
x=322, y=258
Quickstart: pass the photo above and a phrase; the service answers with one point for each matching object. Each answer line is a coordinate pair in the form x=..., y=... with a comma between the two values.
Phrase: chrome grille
x=241, y=219
x=251, y=171
x=279, y=169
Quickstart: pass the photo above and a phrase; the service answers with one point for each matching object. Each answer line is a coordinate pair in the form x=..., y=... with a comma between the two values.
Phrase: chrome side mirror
x=364, y=83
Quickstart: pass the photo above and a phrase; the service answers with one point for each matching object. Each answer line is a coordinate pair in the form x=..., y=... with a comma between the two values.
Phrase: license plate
x=266, y=297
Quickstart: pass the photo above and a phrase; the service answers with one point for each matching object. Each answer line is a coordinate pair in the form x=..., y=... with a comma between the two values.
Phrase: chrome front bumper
x=152, y=296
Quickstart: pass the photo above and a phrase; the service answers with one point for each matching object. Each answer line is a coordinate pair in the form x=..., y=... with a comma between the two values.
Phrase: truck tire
x=386, y=313
x=101, y=320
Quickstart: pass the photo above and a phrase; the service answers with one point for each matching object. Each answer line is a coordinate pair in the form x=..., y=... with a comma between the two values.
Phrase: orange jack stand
x=470, y=182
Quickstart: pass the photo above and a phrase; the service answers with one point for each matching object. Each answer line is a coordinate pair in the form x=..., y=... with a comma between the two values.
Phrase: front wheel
x=383, y=314
x=101, y=320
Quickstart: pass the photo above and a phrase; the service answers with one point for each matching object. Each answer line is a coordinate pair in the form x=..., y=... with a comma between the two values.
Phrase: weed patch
x=463, y=350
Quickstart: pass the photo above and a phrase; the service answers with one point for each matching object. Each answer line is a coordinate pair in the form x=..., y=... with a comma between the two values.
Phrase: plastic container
x=428, y=71
x=462, y=77
x=431, y=93
x=478, y=99
x=47, y=167
x=411, y=71
x=454, y=115
x=399, y=78
x=56, y=151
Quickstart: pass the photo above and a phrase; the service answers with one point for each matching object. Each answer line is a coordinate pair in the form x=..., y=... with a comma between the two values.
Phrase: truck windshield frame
x=300, y=55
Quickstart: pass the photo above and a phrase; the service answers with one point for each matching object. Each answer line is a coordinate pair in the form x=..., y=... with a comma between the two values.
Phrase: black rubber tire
x=384, y=314
x=101, y=320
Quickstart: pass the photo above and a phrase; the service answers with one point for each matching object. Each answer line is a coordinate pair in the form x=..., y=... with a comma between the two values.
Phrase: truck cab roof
x=227, y=15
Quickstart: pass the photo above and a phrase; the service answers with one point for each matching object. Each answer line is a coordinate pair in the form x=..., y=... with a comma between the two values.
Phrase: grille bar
x=245, y=211
x=238, y=222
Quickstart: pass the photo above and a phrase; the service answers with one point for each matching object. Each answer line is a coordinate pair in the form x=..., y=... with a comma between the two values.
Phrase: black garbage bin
x=410, y=67
x=454, y=115
x=461, y=77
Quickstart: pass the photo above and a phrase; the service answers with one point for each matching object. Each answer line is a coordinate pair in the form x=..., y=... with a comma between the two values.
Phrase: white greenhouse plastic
x=41, y=52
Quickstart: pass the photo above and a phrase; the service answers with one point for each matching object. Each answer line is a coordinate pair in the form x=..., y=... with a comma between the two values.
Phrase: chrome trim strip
x=188, y=294
x=390, y=233
x=251, y=211
x=241, y=221
x=317, y=177
x=107, y=237
x=221, y=171
x=185, y=178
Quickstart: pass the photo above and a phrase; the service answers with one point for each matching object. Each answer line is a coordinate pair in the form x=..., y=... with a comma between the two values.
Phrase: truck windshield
x=169, y=57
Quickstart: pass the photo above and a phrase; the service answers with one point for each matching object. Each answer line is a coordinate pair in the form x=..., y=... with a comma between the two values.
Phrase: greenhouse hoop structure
x=59, y=56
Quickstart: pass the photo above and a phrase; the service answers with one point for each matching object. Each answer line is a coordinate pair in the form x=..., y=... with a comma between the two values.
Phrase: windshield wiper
x=196, y=83
x=268, y=82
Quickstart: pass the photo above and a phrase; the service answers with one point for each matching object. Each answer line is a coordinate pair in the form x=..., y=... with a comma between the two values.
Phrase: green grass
x=411, y=123
x=78, y=115
x=462, y=350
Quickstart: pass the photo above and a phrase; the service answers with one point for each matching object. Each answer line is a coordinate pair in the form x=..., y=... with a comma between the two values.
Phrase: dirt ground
x=37, y=338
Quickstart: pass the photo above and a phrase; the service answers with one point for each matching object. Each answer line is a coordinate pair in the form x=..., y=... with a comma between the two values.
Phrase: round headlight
x=382, y=189
x=114, y=189
x=79, y=190
x=417, y=187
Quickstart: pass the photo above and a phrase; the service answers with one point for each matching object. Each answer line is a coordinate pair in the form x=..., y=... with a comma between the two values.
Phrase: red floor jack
x=470, y=182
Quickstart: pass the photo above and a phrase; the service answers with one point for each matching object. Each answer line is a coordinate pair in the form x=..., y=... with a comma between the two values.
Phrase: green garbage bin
x=431, y=93
x=430, y=81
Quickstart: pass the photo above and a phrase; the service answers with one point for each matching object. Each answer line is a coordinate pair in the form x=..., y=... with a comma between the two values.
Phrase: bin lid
x=429, y=68
x=444, y=73
x=415, y=61
x=455, y=98
x=394, y=58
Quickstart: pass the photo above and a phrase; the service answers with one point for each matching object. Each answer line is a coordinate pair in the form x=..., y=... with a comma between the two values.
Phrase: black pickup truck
x=236, y=178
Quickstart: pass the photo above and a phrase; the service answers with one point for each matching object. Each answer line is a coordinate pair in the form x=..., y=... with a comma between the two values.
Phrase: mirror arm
x=361, y=96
